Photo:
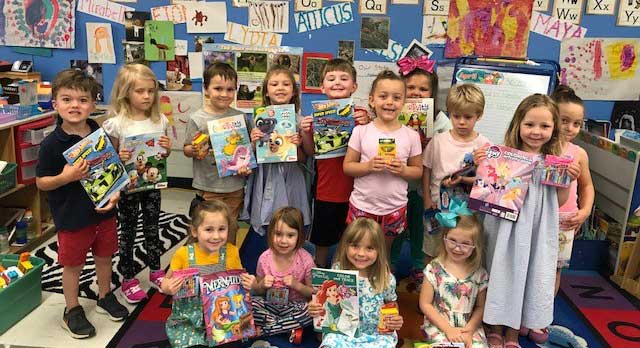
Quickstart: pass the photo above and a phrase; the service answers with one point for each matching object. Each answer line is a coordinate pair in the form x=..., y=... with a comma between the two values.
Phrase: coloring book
x=147, y=167
x=417, y=114
x=333, y=123
x=227, y=307
x=278, y=124
x=337, y=292
x=231, y=145
x=502, y=181
x=107, y=174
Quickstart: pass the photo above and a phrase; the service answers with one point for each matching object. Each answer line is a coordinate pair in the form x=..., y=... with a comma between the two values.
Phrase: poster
x=158, y=40
x=366, y=73
x=206, y=17
x=177, y=107
x=52, y=27
x=100, y=43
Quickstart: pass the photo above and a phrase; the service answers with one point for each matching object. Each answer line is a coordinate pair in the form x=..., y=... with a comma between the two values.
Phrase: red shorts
x=101, y=238
x=392, y=224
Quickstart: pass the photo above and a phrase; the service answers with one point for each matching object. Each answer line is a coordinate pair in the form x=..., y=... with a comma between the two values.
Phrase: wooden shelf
x=15, y=189
x=47, y=232
x=27, y=120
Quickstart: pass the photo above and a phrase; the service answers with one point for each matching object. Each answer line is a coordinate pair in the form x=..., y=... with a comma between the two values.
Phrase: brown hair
x=291, y=217
x=512, y=137
x=565, y=94
x=433, y=84
x=213, y=206
x=465, y=98
x=339, y=64
x=74, y=79
x=385, y=74
x=223, y=70
x=467, y=223
x=279, y=69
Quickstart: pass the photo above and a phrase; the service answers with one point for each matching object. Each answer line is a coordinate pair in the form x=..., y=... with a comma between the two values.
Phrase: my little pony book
x=147, y=167
x=337, y=292
x=231, y=145
x=227, y=307
x=502, y=181
x=278, y=125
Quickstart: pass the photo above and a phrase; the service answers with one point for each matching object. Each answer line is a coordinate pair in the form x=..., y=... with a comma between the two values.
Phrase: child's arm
x=426, y=188
x=165, y=142
x=353, y=167
x=586, y=192
x=426, y=306
x=261, y=284
x=302, y=288
x=410, y=171
x=170, y=284
x=307, y=135
x=69, y=174
x=563, y=192
x=476, y=316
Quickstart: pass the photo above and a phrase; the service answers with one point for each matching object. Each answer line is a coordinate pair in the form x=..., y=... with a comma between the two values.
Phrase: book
x=227, y=307
x=231, y=145
x=278, y=125
x=337, y=292
x=190, y=287
x=417, y=114
x=387, y=309
x=555, y=171
x=502, y=181
x=147, y=167
x=333, y=123
x=107, y=174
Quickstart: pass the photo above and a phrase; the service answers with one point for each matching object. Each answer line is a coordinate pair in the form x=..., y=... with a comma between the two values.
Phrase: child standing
x=81, y=226
x=274, y=185
x=283, y=268
x=453, y=297
x=134, y=103
x=362, y=248
x=380, y=185
x=519, y=296
x=211, y=224
x=451, y=151
x=220, y=84
x=332, y=186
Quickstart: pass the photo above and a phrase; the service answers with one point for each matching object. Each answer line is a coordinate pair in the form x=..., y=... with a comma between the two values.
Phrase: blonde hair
x=123, y=86
x=213, y=206
x=378, y=272
x=280, y=69
x=291, y=217
x=512, y=137
x=466, y=223
x=464, y=99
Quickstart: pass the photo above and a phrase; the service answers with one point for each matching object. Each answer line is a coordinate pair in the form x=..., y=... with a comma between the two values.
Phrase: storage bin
x=8, y=177
x=591, y=255
x=27, y=172
x=29, y=154
x=22, y=295
x=35, y=136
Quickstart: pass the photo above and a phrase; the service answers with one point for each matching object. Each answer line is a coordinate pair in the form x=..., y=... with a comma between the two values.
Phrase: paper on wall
x=181, y=47
x=175, y=13
x=206, y=17
x=367, y=72
x=196, y=65
x=570, y=11
x=555, y=28
x=434, y=30
x=323, y=18
x=100, y=43
x=104, y=9
x=240, y=34
x=269, y=15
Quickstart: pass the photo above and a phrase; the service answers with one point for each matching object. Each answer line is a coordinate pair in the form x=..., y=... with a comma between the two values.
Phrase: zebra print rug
x=173, y=229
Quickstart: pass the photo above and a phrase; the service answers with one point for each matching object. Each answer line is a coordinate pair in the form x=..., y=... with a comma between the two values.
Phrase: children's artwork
x=555, y=28
x=200, y=40
x=626, y=115
x=373, y=7
x=240, y=34
x=395, y=51
x=240, y=3
x=333, y=123
x=39, y=23
x=434, y=30
x=177, y=107
x=555, y=171
x=231, y=145
x=269, y=15
x=181, y=47
x=206, y=17
x=100, y=43
x=337, y=292
x=107, y=174
x=435, y=8
x=628, y=14
x=417, y=50
x=374, y=33
x=278, y=125
x=147, y=167
x=134, y=25
x=502, y=181
x=346, y=50
x=227, y=308
x=417, y=114
x=196, y=67
x=312, y=65
x=91, y=69
x=176, y=13
x=488, y=28
x=158, y=40
x=568, y=11
x=103, y=9
x=601, y=7
x=306, y=5
x=134, y=52
x=601, y=68
x=324, y=17
x=178, y=74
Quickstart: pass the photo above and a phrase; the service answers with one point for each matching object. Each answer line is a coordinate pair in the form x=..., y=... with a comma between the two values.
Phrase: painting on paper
x=488, y=28
x=100, y=43
x=158, y=40
x=177, y=107
x=206, y=17
x=601, y=68
x=45, y=23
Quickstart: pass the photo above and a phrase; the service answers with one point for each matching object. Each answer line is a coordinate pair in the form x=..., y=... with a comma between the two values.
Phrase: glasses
x=453, y=244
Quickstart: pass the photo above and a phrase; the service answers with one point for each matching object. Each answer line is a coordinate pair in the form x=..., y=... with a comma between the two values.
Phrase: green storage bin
x=22, y=295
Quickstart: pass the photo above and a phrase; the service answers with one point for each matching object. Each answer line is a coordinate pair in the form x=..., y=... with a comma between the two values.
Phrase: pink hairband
x=408, y=64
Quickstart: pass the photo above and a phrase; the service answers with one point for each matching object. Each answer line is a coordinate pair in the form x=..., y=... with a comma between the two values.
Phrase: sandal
x=496, y=337
x=540, y=336
x=512, y=344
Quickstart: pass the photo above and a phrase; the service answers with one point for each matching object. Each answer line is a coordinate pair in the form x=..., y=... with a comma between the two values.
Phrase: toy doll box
x=22, y=295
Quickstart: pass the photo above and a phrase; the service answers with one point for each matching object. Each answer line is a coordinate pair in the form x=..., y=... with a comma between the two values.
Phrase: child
x=522, y=256
x=285, y=266
x=452, y=299
x=362, y=248
x=211, y=224
x=81, y=226
x=333, y=187
x=380, y=185
x=220, y=84
x=451, y=151
x=134, y=103
x=274, y=185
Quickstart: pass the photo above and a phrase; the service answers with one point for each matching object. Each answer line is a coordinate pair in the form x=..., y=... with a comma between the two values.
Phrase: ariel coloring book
x=337, y=292
x=227, y=307
x=147, y=167
x=278, y=125
x=502, y=181
x=231, y=145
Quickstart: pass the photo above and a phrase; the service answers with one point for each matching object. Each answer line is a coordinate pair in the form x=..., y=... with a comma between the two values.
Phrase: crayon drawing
x=206, y=17
x=100, y=43
x=177, y=107
x=45, y=23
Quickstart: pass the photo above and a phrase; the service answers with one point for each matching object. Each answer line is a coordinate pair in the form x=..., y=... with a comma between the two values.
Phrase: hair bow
x=408, y=64
x=457, y=208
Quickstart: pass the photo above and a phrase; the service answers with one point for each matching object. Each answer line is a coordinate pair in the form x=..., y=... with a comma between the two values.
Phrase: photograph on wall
x=100, y=43
x=417, y=50
x=374, y=33
x=40, y=24
x=178, y=74
x=346, y=49
x=312, y=66
x=211, y=57
x=158, y=40
x=134, y=52
x=290, y=61
x=134, y=25
x=200, y=40
x=91, y=69
x=626, y=115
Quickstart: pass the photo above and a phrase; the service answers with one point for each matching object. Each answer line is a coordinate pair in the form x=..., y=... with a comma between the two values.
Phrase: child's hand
x=429, y=204
x=480, y=154
x=454, y=334
x=201, y=151
x=574, y=170
x=165, y=142
x=171, y=286
x=467, y=337
x=247, y=280
x=306, y=124
x=244, y=171
x=268, y=280
x=256, y=134
x=393, y=322
x=377, y=164
x=75, y=172
x=290, y=281
x=113, y=201
x=361, y=116
x=315, y=309
x=576, y=221
x=396, y=166
x=296, y=139
x=124, y=154
x=452, y=181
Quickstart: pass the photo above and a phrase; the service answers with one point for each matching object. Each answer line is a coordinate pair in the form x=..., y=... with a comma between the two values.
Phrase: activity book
x=147, y=167
x=278, y=125
x=231, y=145
x=337, y=292
x=417, y=114
x=333, y=123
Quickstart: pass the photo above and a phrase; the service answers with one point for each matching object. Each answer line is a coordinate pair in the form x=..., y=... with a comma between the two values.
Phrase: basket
x=18, y=111
x=8, y=177
x=22, y=295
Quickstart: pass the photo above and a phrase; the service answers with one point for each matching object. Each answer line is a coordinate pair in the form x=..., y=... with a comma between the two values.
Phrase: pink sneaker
x=155, y=279
x=132, y=291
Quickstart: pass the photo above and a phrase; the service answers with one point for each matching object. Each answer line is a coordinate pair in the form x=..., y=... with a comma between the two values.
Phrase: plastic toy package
x=555, y=171
x=191, y=286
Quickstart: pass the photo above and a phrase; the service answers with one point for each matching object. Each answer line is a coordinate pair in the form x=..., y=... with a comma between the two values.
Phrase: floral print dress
x=454, y=299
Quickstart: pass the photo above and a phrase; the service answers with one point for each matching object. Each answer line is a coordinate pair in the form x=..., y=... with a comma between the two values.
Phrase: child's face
x=142, y=95
x=463, y=124
x=536, y=129
x=74, y=106
x=280, y=89
x=221, y=93
x=338, y=85
x=285, y=238
x=212, y=233
x=571, y=119
x=387, y=99
x=362, y=254
x=459, y=244
x=418, y=86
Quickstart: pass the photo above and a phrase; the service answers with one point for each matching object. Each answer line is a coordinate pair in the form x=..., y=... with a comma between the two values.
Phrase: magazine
x=502, y=181
x=106, y=172
x=417, y=114
x=147, y=167
x=333, y=123
x=337, y=292
x=191, y=281
x=227, y=307
x=231, y=145
x=278, y=125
